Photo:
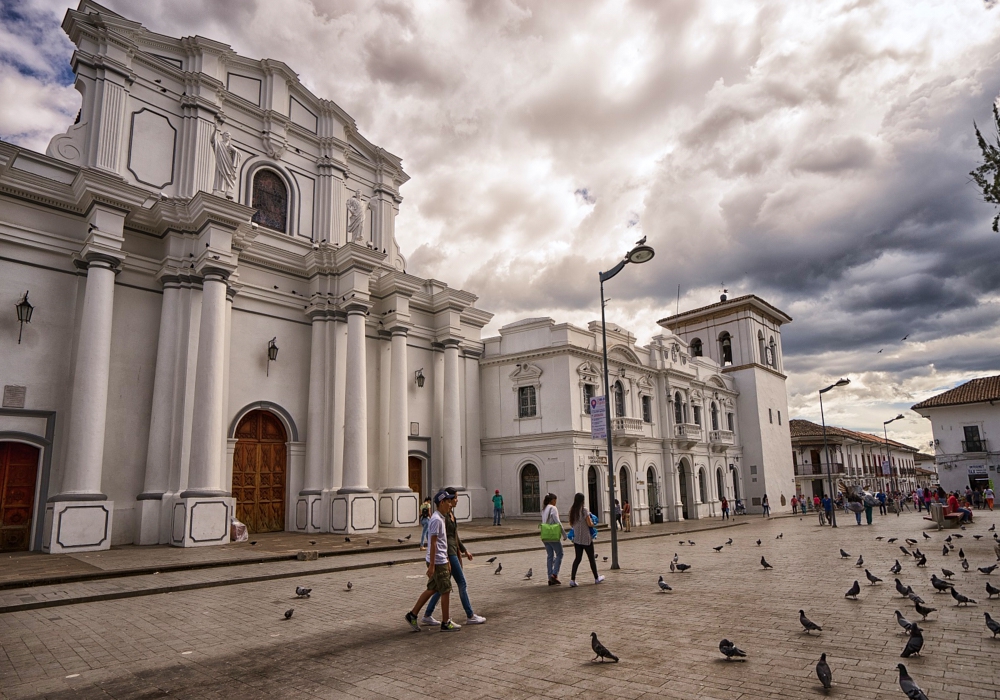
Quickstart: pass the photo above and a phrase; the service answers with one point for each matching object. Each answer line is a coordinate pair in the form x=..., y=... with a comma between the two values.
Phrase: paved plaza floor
x=231, y=641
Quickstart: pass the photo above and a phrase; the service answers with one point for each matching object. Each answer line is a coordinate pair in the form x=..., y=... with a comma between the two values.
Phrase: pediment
x=526, y=373
x=621, y=352
x=589, y=371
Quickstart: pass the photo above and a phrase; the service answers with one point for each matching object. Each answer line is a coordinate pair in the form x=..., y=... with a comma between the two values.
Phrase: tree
x=987, y=175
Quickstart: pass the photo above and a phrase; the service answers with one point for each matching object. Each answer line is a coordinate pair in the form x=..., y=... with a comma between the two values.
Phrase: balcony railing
x=626, y=426
x=974, y=445
x=812, y=469
x=724, y=437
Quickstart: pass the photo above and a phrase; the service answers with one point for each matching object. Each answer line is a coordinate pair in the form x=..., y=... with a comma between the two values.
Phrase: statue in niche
x=227, y=163
x=355, y=217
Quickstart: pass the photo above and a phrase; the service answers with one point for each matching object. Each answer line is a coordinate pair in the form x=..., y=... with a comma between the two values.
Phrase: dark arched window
x=270, y=199
x=720, y=482
x=762, y=348
x=530, y=499
x=774, y=353
x=678, y=408
x=652, y=499
x=702, y=485
x=623, y=483
x=696, y=347
x=715, y=416
x=726, y=345
x=619, y=392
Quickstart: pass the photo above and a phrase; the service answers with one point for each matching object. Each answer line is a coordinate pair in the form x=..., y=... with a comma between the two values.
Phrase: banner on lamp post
x=598, y=418
x=886, y=468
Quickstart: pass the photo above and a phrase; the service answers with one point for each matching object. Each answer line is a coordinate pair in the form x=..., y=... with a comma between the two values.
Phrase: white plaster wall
x=947, y=425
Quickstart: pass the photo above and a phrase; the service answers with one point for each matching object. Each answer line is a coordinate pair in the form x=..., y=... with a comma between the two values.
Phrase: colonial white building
x=222, y=319
x=687, y=426
x=966, y=426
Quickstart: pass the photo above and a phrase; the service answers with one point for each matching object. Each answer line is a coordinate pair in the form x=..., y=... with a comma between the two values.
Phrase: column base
x=77, y=526
x=353, y=512
x=147, y=521
x=399, y=509
x=200, y=521
x=310, y=513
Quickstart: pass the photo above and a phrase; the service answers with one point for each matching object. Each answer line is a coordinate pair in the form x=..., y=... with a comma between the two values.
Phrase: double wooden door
x=259, y=466
x=18, y=472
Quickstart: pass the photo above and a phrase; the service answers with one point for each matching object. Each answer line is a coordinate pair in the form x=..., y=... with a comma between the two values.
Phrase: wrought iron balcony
x=974, y=445
x=721, y=439
x=819, y=469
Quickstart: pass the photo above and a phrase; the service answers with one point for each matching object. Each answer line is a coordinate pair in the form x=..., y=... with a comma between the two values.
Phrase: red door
x=18, y=469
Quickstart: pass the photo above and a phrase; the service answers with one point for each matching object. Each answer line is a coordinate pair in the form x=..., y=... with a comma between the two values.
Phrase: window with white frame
x=647, y=409
x=731, y=422
x=589, y=391
x=527, y=406
x=697, y=415
x=715, y=416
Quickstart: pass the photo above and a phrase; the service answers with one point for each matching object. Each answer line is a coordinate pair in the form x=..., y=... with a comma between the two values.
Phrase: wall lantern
x=272, y=354
x=24, y=309
x=419, y=377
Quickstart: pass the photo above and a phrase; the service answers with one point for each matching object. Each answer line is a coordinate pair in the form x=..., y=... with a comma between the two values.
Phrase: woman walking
x=425, y=519
x=580, y=521
x=765, y=504
x=552, y=536
x=725, y=508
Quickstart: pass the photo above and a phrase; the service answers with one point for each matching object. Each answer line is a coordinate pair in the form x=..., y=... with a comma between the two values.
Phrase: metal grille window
x=270, y=199
x=527, y=406
x=588, y=394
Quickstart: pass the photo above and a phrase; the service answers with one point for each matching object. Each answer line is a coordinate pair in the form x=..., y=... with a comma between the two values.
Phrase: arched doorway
x=682, y=478
x=415, y=475
x=593, y=503
x=18, y=472
x=531, y=501
x=720, y=481
x=626, y=492
x=652, y=497
x=736, y=483
x=259, y=465
x=702, y=485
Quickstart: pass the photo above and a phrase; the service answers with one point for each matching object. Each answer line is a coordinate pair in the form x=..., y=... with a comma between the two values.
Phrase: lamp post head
x=640, y=254
x=843, y=382
x=899, y=417
x=272, y=349
x=24, y=309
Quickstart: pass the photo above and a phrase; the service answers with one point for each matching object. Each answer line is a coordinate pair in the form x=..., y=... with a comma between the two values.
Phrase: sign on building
x=886, y=468
x=978, y=469
x=598, y=418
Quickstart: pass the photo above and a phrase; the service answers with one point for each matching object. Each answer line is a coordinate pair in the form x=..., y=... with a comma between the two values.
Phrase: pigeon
x=808, y=624
x=730, y=650
x=302, y=592
x=253, y=543
x=823, y=672
x=926, y=536
x=527, y=576
x=288, y=613
x=673, y=567
x=399, y=540
x=940, y=585
x=758, y=543
x=923, y=561
x=992, y=590
x=988, y=569
x=860, y=562
x=914, y=597
x=993, y=527
x=891, y=540
x=763, y=562
x=664, y=586
x=408, y=536
x=780, y=536
x=676, y=558
x=962, y=600
x=917, y=553
x=853, y=593
x=600, y=651
x=683, y=567
x=905, y=551
x=491, y=560
x=844, y=555
x=691, y=542
x=719, y=548
x=896, y=568
x=903, y=622
x=958, y=535
x=347, y=539
x=947, y=573
x=948, y=539
x=977, y=537
x=915, y=643
x=944, y=550
x=312, y=541
x=901, y=589
x=681, y=543
x=965, y=565
x=923, y=610
x=729, y=541
x=872, y=578
x=961, y=553
x=499, y=568
x=880, y=538
x=350, y=586
x=910, y=540
x=604, y=558
x=992, y=625
x=910, y=689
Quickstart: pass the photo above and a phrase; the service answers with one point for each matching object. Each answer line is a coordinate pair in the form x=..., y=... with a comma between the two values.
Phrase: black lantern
x=272, y=353
x=24, y=310
x=419, y=377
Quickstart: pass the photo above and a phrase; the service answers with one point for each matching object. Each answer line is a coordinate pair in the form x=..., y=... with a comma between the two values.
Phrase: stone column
x=398, y=505
x=309, y=506
x=78, y=519
x=452, y=417
x=147, y=520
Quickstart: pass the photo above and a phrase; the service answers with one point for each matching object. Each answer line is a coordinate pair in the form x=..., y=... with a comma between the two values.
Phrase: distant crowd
x=896, y=502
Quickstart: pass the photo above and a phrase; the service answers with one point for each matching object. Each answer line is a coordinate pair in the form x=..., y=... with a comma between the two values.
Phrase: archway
x=624, y=486
x=652, y=497
x=720, y=482
x=259, y=466
x=530, y=490
x=18, y=472
x=682, y=478
x=702, y=485
x=593, y=500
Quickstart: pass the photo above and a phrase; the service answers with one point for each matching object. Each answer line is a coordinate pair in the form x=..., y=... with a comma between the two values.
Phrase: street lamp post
x=639, y=254
x=885, y=432
x=826, y=450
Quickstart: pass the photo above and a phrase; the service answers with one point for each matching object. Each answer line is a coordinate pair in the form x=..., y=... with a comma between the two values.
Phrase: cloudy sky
x=813, y=153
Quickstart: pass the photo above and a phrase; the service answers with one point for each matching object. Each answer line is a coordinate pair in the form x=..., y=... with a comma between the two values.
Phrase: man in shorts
x=438, y=568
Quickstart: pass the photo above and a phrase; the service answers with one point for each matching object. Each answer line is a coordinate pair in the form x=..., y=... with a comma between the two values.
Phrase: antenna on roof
x=678, y=300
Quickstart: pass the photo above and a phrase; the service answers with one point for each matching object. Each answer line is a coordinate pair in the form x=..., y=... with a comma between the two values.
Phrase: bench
x=943, y=519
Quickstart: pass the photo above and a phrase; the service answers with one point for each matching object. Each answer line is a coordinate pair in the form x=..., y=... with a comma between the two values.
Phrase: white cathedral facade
x=215, y=321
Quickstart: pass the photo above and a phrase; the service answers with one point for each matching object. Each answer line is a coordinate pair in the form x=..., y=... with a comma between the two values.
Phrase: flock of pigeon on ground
x=915, y=641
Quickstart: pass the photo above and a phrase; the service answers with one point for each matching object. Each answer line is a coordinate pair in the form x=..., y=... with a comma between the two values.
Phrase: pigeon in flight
x=915, y=643
x=844, y=555
x=988, y=569
x=600, y=651
x=901, y=589
x=499, y=568
x=527, y=576
x=302, y=592
x=288, y=613
x=683, y=567
x=853, y=592
x=992, y=590
x=823, y=672
x=940, y=585
x=719, y=548
x=896, y=568
x=880, y=351
x=910, y=689
x=892, y=540
x=992, y=625
x=763, y=562
x=947, y=573
x=350, y=586
x=664, y=586
x=730, y=650
x=905, y=337
x=860, y=562
x=923, y=610
x=491, y=560
x=872, y=578
x=962, y=600
x=808, y=624
x=903, y=622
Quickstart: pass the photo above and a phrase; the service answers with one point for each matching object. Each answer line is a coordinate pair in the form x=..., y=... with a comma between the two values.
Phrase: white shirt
x=436, y=527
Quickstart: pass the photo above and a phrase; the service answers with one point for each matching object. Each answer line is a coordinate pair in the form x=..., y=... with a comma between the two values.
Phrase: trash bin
x=657, y=514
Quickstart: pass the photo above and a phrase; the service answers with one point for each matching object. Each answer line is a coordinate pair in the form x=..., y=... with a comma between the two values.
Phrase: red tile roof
x=803, y=428
x=976, y=391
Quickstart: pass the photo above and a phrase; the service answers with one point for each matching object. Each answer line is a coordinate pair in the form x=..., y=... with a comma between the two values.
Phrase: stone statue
x=355, y=217
x=227, y=163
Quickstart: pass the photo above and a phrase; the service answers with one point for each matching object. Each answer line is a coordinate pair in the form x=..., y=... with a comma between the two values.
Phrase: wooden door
x=415, y=472
x=530, y=496
x=18, y=470
x=259, y=464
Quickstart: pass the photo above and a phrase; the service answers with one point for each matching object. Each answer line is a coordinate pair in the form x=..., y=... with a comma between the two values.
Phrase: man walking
x=497, y=507
x=456, y=550
x=438, y=569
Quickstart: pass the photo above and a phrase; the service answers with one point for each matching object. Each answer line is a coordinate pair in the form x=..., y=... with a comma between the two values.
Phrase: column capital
x=450, y=342
x=356, y=307
x=398, y=330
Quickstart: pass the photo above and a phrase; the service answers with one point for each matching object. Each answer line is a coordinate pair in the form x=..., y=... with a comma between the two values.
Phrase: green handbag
x=551, y=532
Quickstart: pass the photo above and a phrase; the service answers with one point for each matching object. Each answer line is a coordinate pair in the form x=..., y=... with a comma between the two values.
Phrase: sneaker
x=475, y=620
x=555, y=581
x=573, y=584
x=449, y=626
x=411, y=620
x=428, y=620
x=599, y=579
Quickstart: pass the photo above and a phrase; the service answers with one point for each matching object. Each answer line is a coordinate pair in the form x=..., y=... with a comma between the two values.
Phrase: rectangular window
x=972, y=442
x=588, y=393
x=697, y=415
x=770, y=416
x=731, y=422
x=647, y=409
x=753, y=470
x=526, y=402
x=779, y=417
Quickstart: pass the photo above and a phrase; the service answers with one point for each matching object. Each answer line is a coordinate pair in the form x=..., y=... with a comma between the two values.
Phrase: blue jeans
x=553, y=560
x=459, y=576
x=424, y=523
x=496, y=515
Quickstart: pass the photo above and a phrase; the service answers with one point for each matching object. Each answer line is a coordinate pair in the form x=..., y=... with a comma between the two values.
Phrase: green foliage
x=987, y=175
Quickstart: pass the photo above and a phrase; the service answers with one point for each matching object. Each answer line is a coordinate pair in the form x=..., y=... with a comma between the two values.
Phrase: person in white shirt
x=438, y=568
x=988, y=495
x=553, y=549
